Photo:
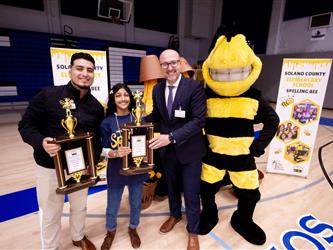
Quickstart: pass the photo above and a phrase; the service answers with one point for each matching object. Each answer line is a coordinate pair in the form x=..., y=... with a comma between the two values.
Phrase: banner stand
x=301, y=95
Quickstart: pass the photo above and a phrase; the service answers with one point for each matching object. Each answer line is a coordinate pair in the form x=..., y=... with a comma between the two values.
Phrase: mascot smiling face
x=232, y=67
x=233, y=108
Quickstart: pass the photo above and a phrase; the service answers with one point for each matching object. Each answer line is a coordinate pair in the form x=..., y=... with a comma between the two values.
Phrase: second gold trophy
x=136, y=136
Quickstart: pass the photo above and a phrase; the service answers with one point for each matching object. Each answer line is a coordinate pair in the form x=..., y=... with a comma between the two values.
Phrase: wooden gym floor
x=284, y=201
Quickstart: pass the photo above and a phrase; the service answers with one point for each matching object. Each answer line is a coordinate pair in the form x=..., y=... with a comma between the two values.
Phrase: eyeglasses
x=173, y=63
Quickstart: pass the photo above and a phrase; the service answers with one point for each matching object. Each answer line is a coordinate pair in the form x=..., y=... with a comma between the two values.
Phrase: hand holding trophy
x=136, y=135
x=76, y=155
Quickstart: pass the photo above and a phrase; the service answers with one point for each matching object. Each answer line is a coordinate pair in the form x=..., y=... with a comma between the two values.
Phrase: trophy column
x=91, y=156
x=150, y=151
x=124, y=143
x=59, y=171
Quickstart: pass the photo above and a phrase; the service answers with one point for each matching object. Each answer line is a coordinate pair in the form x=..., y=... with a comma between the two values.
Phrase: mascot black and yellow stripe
x=233, y=108
x=229, y=131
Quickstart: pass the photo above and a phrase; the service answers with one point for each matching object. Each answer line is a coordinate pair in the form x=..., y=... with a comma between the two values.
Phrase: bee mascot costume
x=233, y=108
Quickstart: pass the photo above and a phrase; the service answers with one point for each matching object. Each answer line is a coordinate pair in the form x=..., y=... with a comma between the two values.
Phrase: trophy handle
x=75, y=123
x=69, y=124
x=63, y=124
x=133, y=113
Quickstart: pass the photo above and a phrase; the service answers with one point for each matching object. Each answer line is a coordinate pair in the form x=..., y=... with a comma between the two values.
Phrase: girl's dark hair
x=111, y=104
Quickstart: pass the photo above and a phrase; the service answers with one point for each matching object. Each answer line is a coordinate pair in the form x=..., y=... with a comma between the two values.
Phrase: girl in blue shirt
x=120, y=104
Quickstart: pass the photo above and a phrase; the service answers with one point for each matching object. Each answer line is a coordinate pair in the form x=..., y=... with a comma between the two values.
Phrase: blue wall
x=26, y=64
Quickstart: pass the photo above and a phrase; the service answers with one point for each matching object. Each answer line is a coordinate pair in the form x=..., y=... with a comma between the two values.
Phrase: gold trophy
x=138, y=111
x=136, y=135
x=76, y=155
x=70, y=122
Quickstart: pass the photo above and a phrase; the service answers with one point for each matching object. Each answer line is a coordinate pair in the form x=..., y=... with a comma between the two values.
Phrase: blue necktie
x=170, y=100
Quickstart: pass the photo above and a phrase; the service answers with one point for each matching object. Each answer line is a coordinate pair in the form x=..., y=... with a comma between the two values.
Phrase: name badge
x=180, y=113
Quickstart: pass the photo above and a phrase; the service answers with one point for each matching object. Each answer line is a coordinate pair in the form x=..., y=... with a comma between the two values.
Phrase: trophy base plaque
x=72, y=186
x=136, y=170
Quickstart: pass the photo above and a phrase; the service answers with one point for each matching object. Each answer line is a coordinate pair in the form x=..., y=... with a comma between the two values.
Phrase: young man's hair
x=82, y=55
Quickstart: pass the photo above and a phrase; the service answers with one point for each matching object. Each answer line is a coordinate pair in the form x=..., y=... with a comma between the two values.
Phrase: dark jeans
x=113, y=203
x=186, y=178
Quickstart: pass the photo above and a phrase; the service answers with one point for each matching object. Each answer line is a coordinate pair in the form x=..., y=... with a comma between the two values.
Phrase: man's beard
x=81, y=87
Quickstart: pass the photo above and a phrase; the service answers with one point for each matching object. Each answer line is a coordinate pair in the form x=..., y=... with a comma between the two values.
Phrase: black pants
x=183, y=177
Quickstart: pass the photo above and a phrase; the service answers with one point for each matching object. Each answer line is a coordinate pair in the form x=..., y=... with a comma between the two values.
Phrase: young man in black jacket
x=40, y=124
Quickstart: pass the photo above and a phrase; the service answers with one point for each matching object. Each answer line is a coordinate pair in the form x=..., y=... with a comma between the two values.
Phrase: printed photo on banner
x=299, y=103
